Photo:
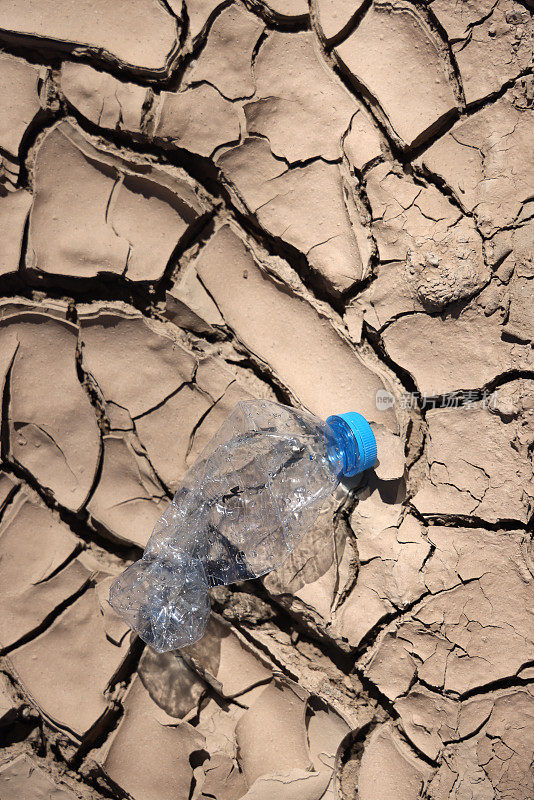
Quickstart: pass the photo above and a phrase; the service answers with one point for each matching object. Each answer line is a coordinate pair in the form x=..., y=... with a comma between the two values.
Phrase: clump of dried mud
x=330, y=205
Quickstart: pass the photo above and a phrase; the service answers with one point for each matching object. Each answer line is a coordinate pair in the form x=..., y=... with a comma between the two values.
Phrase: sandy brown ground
x=331, y=206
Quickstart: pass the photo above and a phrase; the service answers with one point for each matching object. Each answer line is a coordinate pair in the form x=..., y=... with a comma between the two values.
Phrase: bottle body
x=238, y=513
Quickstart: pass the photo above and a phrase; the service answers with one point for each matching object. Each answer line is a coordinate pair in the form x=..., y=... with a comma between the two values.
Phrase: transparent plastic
x=240, y=510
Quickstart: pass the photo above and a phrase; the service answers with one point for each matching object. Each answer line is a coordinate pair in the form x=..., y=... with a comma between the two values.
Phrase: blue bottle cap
x=356, y=440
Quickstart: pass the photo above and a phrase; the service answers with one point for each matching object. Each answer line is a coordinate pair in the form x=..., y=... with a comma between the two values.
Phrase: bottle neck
x=342, y=449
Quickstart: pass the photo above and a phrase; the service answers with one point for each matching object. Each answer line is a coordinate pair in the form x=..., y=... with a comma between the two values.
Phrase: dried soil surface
x=329, y=204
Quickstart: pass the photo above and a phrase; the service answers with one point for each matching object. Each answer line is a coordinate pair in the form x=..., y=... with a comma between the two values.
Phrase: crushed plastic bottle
x=239, y=512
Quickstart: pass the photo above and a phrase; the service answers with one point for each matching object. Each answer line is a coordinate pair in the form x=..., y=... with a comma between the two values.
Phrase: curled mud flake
x=390, y=768
x=23, y=777
x=222, y=775
x=153, y=219
x=34, y=581
x=226, y=661
x=138, y=34
x=493, y=481
x=217, y=721
x=389, y=578
x=103, y=99
x=394, y=55
x=303, y=745
x=189, y=305
x=127, y=224
x=491, y=42
x=128, y=499
x=333, y=16
x=362, y=142
x=320, y=368
x=493, y=749
x=391, y=294
x=75, y=646
x=478, y=160
x=200, y=417
x=19, y=103
x=285, y=10
x=377, y=665
x=305, y=207
x=53, y=434
x=199, y=12
x=162, y=771
x=277, y=706
x=121, y=347
x=299, y=105
x=226, y=60
x=428, y=719
x=197, y=119
x=14, y=208
x=447, y=354
x=92, y=247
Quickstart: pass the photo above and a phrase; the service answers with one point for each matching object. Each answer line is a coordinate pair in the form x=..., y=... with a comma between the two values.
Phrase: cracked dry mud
x=207, y=201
